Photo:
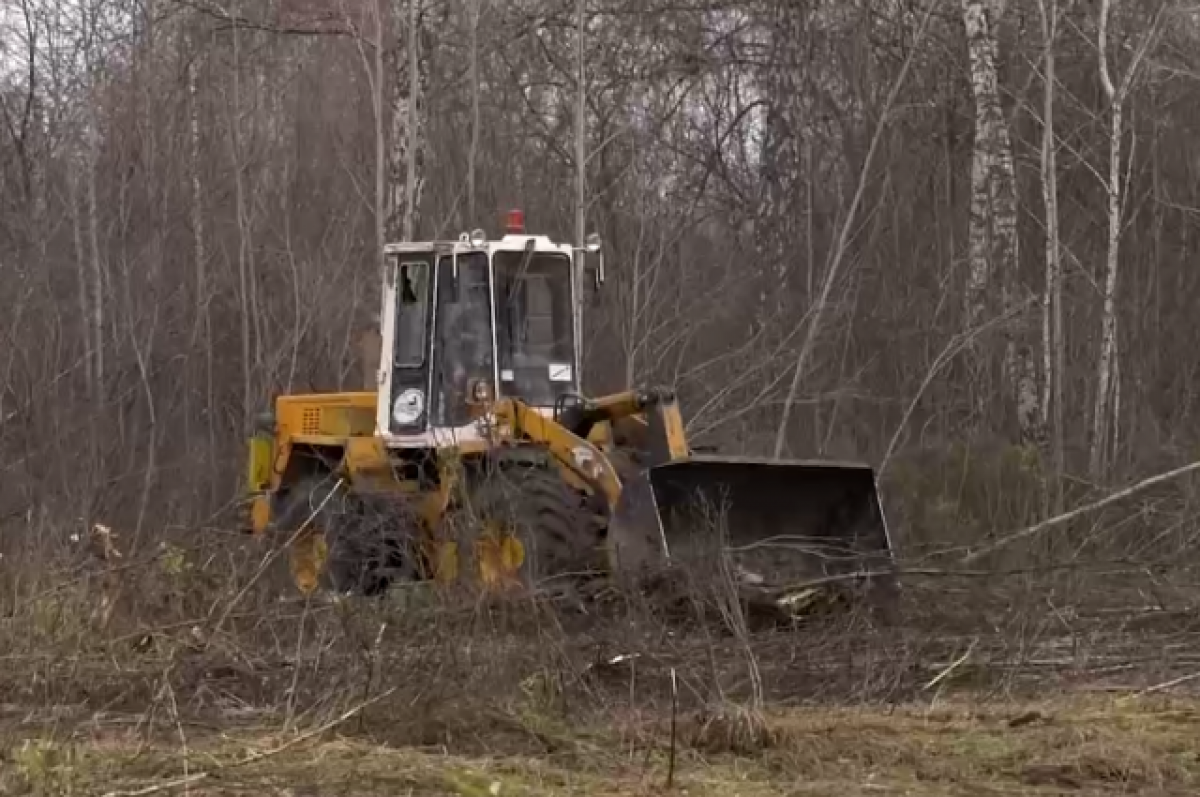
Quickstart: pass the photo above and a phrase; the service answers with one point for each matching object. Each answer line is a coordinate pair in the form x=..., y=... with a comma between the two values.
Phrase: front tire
x=560, y=536
x=362, y=557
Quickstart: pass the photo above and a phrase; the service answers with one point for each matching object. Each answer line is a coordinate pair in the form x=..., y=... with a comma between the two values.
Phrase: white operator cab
x=456, y=314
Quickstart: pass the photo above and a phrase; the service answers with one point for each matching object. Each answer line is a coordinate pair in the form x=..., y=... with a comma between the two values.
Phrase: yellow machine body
x=340, y=427
x=667, y=512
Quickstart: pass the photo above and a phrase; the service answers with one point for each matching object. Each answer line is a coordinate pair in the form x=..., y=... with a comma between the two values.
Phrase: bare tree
x=580, y=154
x=410, y=70
x=1107, y=385
x=1053, y=345
x=994, y=244
x=475, y=12
x=838, y=253
x=196, y=196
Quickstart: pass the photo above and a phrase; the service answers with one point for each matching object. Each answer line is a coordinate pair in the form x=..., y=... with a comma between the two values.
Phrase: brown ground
x=1078, y=744
x=985, y=689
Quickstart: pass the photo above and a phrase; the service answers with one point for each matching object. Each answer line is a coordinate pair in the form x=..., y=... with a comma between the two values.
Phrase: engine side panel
x=337, y=415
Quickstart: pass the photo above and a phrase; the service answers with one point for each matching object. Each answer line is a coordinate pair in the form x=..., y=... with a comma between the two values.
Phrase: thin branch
x=1078, y=512
x=1183, y=679
x=252, y=758
x=956, y=345
x=231, y=21
x=271, y=556
x=839, y=251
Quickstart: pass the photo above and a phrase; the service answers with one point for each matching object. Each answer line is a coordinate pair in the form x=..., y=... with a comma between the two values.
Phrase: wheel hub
x=309, y=553
x=499, y=556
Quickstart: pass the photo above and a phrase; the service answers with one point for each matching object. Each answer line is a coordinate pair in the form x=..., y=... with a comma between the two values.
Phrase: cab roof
x=541, y=243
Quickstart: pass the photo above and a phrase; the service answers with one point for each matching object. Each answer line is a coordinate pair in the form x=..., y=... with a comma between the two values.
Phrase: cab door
x=464, y=345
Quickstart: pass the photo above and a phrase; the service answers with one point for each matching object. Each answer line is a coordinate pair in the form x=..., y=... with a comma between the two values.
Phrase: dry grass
x=1074, y=744
x=202, y=682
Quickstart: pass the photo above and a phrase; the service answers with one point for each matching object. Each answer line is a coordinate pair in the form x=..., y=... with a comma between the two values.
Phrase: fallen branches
x=252, y=758
x=1067, y=517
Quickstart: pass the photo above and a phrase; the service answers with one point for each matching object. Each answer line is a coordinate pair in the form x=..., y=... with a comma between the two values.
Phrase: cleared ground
x=1079, y=744
x=198, y=685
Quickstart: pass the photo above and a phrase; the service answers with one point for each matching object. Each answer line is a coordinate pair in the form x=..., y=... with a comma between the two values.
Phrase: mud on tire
x=364, y=553
x=561, y=536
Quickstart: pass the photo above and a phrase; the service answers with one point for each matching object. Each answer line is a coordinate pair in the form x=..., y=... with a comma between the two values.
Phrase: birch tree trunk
x=1103, y=416
x=992, y=237
x=369, y=341
x=1108, y=321
x=580, y=169
x=475, y=10
x=243, y=268
x=76, y=166
x=1053, y=344
x=203, y=322
x=409, y=69
x=199, y=254
x=782, y=168
x=98, y=280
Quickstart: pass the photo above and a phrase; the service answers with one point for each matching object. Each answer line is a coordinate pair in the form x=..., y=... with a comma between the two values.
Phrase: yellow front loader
x=477, y=457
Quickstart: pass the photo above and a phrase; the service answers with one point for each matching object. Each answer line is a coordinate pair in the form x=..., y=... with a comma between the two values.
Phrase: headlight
x=408, y=406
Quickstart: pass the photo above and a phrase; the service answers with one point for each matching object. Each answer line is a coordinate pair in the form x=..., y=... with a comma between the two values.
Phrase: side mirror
x=597, y=274
x=462, y=239
x=593, y=245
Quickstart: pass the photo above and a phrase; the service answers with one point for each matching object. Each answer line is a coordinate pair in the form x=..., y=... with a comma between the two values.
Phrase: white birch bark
x=243, y=267
x=1108, y=321
x=992, y=239
x=75, y=167
x=97, y=262
x=783, y=168
x=982, y=55
x=580, y=167
x=1103, y=416
x=381, y=165
x=414, y=179
x=199, y=253
x=409, y=69
x=475, y=10
x=202, y=329
x=1053, y=343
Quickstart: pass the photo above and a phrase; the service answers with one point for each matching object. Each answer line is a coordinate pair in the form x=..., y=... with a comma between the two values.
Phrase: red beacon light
x=515, y=223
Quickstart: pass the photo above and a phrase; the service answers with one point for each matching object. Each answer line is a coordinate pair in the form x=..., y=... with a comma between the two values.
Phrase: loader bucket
x=781, y=522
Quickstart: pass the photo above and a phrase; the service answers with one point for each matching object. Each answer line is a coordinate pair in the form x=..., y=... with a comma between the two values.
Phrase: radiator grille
x=311, y=422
